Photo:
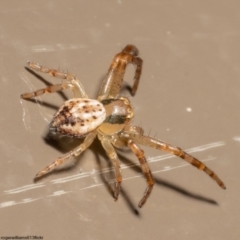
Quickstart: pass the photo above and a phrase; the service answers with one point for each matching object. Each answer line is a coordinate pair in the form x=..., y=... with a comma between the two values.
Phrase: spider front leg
x=71, y=83
x=113, y=81
x=155, y=143
x=145, y=168
x=116, y=163
x=49, y=89
x=74, y=153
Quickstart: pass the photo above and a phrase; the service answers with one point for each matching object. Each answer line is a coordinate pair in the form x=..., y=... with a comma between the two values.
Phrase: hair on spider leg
x=149, y=132
x=155, y=135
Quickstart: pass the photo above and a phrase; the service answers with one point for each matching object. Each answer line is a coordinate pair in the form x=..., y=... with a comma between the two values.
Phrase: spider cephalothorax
x=108, y=118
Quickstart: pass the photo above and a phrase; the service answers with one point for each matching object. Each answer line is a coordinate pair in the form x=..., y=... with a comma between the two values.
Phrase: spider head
x=118, y=113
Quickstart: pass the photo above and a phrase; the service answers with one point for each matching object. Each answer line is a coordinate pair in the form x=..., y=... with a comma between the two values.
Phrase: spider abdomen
x=77, y=117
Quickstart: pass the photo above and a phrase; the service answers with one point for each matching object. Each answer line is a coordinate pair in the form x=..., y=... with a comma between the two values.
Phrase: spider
x=109, y=118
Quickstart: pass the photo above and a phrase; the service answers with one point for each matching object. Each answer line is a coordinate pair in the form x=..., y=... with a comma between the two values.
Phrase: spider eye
x=77, y=117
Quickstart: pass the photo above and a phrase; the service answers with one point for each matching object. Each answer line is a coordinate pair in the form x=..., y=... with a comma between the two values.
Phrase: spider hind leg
x=145, y=168
x=160, y=145
x=116, y=163
x=66, y=157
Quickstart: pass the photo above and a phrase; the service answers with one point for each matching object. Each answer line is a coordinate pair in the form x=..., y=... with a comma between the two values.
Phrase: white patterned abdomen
x=78, y=116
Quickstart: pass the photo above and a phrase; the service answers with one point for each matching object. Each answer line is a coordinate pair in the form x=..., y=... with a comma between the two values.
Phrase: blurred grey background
x=189, y=96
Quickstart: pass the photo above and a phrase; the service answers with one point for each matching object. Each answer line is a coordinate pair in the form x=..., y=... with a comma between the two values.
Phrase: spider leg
x=71, y=82
x=155, y=143
x=116, y=163
x=113, y=81
x=75, y=152
x=49, y=89
x=145, y=168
